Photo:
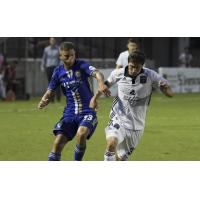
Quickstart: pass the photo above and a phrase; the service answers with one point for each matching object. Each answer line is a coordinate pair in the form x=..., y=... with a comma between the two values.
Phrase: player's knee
x=111, y=147
x=82, y=134
x=111, y=144
x=59, y=143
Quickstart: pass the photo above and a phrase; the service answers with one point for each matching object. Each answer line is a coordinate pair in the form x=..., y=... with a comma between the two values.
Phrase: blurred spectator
x=2, y=73
x=132, y=46
x=10, y=80
x=50, y=61
x=2, y=84
x=1, y=59
x=186, y=58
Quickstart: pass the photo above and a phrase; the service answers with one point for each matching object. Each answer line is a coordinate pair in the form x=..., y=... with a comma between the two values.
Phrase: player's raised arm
x=100, y=78
x=165, y=89
x=46, y=99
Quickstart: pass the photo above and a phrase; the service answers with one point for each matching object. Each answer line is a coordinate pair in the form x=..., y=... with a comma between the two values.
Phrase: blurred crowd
x=9, y=84
x=8, y=80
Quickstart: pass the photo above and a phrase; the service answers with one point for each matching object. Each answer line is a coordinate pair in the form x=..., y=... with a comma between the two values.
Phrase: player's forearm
x=45, y=99
x=48, y=95
x=100, y=78
x=102, y=87
x=167, y=91
x=97, y=95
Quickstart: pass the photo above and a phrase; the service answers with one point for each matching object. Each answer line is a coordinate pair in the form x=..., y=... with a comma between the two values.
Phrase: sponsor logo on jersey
x=73, y=85
x=69, y=73
x=143, y=79
x=78, y=74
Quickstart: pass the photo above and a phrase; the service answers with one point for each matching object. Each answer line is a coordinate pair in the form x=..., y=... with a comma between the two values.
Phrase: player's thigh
x=67, y=127
x=87, y=124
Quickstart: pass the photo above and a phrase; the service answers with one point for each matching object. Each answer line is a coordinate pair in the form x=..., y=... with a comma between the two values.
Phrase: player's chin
x=67, y=63
x=134, y=74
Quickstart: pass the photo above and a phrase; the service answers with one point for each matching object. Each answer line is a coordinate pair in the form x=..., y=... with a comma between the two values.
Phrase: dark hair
x=137, y=57
x=65, y=46
x=133, y=40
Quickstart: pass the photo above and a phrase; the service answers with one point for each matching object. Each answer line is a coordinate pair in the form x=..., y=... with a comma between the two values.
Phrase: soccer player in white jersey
x=122, y=60
x=128, y=112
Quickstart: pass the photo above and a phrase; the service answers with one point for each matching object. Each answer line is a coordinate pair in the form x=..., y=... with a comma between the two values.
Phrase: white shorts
x=127, y=139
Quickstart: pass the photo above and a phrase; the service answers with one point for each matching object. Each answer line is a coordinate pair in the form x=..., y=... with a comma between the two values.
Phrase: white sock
x=109, y=156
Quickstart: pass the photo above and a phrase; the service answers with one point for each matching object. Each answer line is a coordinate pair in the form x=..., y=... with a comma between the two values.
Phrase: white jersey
x=123, y=59
x=134, y=95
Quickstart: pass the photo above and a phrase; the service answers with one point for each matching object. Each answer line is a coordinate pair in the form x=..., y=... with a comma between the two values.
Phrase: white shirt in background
x=123, y=59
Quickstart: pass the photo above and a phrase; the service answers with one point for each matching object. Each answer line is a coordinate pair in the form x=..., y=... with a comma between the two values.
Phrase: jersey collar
x=126, y=74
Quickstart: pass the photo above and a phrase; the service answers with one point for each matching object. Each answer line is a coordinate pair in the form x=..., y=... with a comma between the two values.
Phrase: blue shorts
x=68, y=125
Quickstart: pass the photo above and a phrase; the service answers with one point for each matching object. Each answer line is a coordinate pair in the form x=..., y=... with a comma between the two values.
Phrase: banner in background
x=182, y=80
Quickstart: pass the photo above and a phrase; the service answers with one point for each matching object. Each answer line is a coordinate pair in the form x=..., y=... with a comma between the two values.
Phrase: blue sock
x=54, y=156
x=79, y=152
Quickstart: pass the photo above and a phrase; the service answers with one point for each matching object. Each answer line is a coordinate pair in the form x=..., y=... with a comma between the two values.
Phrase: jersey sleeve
x=54, y=83
x=114, y=76
x=157, y=79
x=88, y=68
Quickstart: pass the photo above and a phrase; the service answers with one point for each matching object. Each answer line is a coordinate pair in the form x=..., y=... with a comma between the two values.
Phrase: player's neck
x=135, y=75
x=67, y=67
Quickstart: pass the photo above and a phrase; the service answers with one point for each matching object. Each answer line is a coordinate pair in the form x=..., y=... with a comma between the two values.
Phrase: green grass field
x=172, y=130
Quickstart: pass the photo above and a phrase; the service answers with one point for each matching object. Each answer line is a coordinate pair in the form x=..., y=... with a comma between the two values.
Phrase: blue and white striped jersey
x=75, y=86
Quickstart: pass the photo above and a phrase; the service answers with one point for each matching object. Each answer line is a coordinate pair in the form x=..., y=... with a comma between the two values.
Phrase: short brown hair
x=65, y=46
x=137, y=57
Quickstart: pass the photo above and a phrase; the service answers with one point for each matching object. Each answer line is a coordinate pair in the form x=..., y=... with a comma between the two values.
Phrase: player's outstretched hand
x=43, y=103
x=104, y=89
x=163, y=84
x=164, y=87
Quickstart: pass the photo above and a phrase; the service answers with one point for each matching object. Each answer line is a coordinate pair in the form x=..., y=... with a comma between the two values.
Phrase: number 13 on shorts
x=88, y=118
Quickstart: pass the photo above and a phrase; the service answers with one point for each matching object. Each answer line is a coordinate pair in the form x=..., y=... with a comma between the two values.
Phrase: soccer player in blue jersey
x=78, y=118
